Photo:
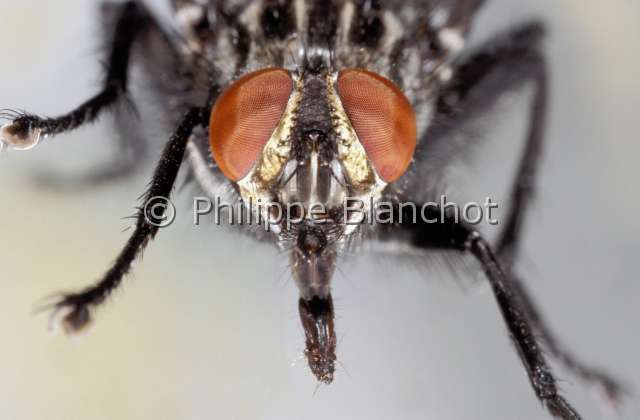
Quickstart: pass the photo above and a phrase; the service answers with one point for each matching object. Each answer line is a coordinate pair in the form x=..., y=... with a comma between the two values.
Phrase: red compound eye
x=382, y=118
x=244, y=118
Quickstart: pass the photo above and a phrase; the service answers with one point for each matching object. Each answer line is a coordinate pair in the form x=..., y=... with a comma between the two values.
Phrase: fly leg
x=26, y=130
x=453, y=235
x=504, y=64
x=73, y=310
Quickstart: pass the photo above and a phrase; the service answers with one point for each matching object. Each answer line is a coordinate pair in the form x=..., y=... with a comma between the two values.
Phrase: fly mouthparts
x=317, y=320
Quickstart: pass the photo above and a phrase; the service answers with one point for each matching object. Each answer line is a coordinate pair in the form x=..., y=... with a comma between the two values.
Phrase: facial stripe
x=301, y=15
x=346, y=18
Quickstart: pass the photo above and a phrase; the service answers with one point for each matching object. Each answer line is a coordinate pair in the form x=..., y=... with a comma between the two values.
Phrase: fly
x=312, y=102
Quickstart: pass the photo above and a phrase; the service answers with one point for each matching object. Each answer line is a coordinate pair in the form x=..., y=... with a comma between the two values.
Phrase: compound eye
x=244, y=118
x=383, y=120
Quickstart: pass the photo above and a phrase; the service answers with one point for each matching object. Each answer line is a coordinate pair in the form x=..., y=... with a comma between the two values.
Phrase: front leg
x=73, y=310
x=449, y=234
x=26, y=130
x=507, y=63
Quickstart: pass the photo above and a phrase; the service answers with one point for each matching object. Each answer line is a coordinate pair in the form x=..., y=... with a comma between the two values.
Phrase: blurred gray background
x=207, y=327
